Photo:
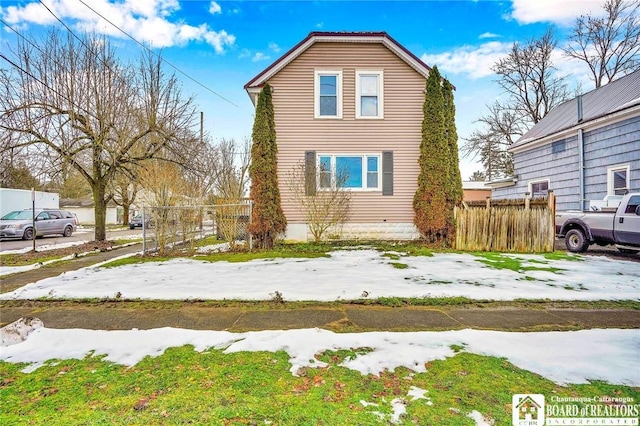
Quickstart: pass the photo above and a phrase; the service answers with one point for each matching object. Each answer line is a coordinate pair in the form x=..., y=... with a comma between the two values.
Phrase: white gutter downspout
x=581, y=155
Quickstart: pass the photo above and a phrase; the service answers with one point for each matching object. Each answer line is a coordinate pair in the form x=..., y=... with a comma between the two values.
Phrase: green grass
x=502, y=261
x=221, y=257
x=184, y=386
x=21, y=260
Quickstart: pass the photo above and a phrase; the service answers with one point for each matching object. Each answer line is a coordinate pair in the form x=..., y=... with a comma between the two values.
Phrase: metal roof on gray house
x=613, y=97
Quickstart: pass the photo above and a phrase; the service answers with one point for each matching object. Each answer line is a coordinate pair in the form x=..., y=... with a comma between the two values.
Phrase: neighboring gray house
x=584, y=149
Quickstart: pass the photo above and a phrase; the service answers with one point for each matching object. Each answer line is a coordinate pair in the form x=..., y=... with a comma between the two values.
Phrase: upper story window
x=349, y=171
x=369, y=94
x=328, y=94
x=558, y=146
x=618, y=180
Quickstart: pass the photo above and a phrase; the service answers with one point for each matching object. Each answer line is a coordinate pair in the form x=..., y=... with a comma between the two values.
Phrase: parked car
x=622, y=227
x=19, y=224
x=136, y=222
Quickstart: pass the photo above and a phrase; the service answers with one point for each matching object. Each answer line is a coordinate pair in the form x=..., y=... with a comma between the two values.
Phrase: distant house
x=475, y=191
x=85, y=211
x=350, y=101
x=584, y=149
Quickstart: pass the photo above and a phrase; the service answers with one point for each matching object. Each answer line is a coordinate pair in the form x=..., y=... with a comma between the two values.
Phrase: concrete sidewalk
x=266, y=315
x=347, y=317
x=11, y=282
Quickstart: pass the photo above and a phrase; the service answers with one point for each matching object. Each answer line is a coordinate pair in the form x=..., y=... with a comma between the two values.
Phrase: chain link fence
x=167, y=227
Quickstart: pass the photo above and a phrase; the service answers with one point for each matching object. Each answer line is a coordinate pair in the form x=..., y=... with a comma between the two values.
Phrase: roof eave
x=369, y=37
x=614, y=116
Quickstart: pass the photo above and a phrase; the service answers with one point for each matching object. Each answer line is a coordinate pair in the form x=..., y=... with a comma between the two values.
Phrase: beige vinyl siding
x=400, y=130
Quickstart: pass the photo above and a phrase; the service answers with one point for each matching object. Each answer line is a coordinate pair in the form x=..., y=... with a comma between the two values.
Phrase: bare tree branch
x=609, y=45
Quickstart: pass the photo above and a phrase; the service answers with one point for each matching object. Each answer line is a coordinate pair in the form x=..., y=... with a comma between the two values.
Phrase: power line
x=155, y=54
x=40, y=81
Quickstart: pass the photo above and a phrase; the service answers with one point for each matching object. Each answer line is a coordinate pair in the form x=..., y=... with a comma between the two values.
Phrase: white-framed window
x=352, y=171
x=369, y=94
x=539, y=188
x=328, y=94
x=618, y=179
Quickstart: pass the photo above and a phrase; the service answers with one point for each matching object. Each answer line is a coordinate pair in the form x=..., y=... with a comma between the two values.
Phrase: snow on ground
x=347, y=275
x=562, y=357
x=7, y=270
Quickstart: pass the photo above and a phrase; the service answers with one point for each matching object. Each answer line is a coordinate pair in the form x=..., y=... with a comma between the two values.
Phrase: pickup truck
x=622, y=227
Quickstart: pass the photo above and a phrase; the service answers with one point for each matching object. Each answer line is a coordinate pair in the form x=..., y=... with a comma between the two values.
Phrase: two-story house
x=350, y=101
x=584, y=149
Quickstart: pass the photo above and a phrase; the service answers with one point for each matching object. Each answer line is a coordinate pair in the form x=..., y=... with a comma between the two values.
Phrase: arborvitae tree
x=267, y=218
x=454, y=185
x=432, y=213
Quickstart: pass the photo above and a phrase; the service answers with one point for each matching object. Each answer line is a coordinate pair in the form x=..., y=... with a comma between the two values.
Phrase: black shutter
x=309, y=173
x=387, y=172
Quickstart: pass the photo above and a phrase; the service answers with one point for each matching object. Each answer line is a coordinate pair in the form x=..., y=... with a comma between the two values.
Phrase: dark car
x=18, y=223
x=136, y=222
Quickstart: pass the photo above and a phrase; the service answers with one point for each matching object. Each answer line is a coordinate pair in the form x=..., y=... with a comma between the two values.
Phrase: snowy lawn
x=303, y=376
x=559, y=356
x=352, y=274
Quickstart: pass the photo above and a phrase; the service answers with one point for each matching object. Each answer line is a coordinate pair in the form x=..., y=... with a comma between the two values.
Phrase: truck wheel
x=28, y=234
x=67, y=231
x=576, y=241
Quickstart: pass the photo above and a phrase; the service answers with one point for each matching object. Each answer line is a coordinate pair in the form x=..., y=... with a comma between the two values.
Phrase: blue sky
x=223, y=44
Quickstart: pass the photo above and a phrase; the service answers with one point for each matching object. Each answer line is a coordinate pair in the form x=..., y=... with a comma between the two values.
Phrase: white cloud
x=488, y=35
x=259, y=56
x=273, y=46
x=476, y=61
x=219, y=40
x=146, y=21
x=215, y=8
x=320, y=25
x=562, y=12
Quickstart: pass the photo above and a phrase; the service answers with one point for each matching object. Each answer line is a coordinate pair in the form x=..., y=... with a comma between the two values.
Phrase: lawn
x=327, y=274
x=314, y=376
x=185, y=386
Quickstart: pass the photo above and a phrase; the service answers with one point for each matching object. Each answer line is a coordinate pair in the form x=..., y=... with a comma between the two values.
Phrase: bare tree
x=528, y=77
x=501, y=126
x=231, y=169
x=609, y=45
x=85, y=108
x=532, y=88
x=124, y=188
x=323, y=209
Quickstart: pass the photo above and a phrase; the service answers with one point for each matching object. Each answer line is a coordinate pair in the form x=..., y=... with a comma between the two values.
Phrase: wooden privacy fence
x=523, y=225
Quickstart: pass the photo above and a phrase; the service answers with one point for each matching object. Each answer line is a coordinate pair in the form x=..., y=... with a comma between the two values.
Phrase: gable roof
x=613, y=97
x=338, y=37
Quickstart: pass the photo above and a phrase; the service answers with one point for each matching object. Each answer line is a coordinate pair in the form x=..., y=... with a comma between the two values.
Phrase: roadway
x=82, y=234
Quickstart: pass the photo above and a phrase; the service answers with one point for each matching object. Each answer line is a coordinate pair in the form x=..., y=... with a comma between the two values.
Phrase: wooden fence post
x=488, y=202
x=527, y=200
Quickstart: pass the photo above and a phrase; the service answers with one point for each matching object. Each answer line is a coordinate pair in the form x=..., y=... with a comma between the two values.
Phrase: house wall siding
x=400, y=130
x=610, y=145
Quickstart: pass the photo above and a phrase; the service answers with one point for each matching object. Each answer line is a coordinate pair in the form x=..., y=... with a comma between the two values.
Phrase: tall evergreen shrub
x=454, y=192
x=267, y=217
x=432, y=214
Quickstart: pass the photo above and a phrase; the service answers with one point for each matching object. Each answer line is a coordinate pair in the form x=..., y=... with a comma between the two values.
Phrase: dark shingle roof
x=615, y=96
